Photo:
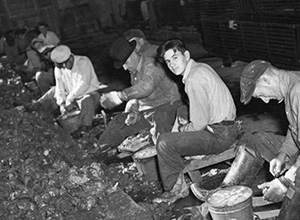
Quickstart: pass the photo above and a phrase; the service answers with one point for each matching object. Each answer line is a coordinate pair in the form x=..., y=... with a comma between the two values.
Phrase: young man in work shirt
x=211, y=128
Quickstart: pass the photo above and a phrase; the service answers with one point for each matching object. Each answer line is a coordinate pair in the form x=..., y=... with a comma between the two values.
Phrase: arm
x=84, y=71
x=60, y=94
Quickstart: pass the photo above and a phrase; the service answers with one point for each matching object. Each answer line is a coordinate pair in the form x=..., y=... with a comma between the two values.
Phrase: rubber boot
x=244, y=168
x=243, y=171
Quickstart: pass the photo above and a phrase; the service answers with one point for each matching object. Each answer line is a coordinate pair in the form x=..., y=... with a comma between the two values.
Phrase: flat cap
x=131, y=33
x=60, y=54
x=249, y=77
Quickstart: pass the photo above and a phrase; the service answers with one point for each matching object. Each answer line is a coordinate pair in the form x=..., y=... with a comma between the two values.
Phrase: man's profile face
x=131, y=63
x=266, y=91
x=176, y=61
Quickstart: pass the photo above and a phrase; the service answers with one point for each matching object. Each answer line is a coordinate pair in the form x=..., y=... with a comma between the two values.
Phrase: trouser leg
x=255, y=149
x=117, y=131
x=45, y=80
x=48, y=101
x=88, y=104
x=164, y=117
x=172, y=146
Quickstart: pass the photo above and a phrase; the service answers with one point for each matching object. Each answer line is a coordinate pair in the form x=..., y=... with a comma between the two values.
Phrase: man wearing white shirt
x=76, y=85
x=48, y=37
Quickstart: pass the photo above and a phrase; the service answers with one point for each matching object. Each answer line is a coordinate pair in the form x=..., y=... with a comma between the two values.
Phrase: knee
x=161, y=145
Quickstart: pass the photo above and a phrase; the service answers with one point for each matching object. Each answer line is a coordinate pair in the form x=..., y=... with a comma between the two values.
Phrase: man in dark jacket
x=152, y=99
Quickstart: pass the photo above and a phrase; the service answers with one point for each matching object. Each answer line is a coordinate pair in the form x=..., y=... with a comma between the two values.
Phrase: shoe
x=199, y=192
x=179, y=190
x=171, y=197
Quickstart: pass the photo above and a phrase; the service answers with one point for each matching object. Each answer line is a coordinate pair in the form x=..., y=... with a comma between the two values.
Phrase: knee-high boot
x=243, y=170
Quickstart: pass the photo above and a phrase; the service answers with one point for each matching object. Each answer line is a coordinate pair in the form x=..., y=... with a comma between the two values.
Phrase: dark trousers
x=117, y=131
x=265, y=144
x=171, y=147
x=88, y=105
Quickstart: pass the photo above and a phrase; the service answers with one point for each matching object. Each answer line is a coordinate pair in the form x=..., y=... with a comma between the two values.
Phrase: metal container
x=231, y=203
x=69, y=121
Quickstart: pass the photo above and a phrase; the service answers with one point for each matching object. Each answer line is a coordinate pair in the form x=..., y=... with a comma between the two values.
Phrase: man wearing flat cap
x=153, y=97
x=76, y=85
x=262, y=80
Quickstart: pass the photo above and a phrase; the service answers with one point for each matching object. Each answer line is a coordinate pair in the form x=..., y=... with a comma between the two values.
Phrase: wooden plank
x=210, y=160
x=260, y=201
x=195, y=176
x=267, y=214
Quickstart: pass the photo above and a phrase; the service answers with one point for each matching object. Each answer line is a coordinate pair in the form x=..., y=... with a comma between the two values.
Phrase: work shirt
x=75, y=83
x=290, y=88
x=210, y=100
x=50, y=39
x=151, y=86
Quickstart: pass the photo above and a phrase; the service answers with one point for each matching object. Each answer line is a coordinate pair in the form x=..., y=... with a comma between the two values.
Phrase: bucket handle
x=256, y=217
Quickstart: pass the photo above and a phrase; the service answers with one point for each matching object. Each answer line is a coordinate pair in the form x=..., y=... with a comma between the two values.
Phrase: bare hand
x=273, y=191
x=276, y=164
x=62, y=109
x=70, y=107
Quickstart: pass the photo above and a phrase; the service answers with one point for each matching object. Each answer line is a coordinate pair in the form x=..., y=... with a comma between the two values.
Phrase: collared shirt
x=77, y=82
x=50, y=39
x=151, y=86
x=290, y=87
x=209, y=98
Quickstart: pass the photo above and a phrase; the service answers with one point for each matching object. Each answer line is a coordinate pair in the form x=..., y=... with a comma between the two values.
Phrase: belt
x=225, y=122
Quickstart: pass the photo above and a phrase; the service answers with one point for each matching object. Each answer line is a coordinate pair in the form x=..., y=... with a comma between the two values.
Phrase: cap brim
x=248, y=89
x=247, y=98
x=119, y=63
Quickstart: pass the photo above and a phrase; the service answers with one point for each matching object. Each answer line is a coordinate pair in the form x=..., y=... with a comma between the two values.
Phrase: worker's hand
x=62, y=109
x=132, y=118
x=71, y=107
x=110, y=100
x=276, y=164
x=273, y=191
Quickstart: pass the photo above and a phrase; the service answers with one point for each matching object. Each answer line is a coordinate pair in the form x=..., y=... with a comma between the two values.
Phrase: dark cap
x=120, y=50
x=249, y=76
x=131, y=33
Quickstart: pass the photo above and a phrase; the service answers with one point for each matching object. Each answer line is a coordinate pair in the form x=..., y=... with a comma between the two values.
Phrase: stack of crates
x=258, y=29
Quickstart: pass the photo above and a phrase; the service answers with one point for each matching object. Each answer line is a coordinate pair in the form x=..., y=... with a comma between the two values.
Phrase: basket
x=70, y=121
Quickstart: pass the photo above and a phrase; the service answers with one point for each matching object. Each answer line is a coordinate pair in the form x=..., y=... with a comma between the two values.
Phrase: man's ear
x=264, y=80
x=187, y=55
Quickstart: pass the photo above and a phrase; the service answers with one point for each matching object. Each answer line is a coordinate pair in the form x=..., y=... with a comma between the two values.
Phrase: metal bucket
x=69, y=121
x=231, y=203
